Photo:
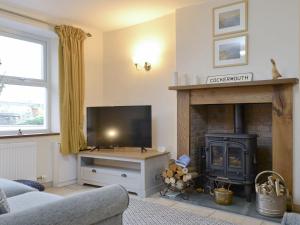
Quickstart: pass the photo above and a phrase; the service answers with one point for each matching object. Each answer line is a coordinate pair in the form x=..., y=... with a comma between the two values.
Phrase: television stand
x=136, y=171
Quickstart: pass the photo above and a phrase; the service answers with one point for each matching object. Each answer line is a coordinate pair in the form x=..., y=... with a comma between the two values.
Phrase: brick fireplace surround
x=278, y=94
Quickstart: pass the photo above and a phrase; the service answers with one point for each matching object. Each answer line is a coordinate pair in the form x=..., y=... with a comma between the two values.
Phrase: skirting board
x=65, y=183
x=296, y=208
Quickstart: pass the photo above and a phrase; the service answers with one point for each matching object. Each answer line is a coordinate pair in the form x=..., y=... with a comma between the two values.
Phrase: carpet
x=146, y=213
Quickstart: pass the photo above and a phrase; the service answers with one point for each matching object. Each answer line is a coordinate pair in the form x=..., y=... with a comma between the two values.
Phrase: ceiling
x=102, y=14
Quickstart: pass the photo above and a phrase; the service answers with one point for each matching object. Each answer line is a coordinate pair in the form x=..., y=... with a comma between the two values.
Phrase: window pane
x=22, y=107
x=21, y=58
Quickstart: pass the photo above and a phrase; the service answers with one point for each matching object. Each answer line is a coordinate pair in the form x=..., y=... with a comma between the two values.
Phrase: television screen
x=119, y=126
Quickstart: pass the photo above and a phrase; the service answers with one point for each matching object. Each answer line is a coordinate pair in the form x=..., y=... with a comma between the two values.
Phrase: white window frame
x=44, y=82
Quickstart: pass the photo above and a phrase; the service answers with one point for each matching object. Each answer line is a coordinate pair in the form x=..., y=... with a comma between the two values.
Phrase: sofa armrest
x=82, y=209
x=13, y=188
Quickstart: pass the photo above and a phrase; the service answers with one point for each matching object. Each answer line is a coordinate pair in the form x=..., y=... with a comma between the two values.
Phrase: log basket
x=183, y=193
x=271, y=204
x=179, y=180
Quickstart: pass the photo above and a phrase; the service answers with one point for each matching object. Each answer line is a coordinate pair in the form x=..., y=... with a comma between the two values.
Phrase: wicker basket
x=271, y=205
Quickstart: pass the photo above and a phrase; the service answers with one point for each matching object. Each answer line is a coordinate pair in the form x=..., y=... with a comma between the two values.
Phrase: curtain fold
x=71, y=85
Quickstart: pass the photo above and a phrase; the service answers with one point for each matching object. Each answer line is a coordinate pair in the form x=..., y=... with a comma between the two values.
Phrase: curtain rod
x=34, y=19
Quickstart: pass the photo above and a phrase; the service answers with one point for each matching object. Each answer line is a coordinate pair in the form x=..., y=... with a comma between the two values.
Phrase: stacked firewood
x=178, y=177
x=272, y=187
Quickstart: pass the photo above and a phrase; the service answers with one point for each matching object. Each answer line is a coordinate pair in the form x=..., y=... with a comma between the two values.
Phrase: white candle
x=175, y=78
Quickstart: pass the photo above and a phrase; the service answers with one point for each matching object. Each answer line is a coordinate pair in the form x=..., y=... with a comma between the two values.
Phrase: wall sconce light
x=146, y=66
x=146, y=54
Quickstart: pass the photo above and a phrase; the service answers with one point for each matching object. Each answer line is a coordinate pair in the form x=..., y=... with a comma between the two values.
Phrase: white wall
x=124, y=85
x=273, y=33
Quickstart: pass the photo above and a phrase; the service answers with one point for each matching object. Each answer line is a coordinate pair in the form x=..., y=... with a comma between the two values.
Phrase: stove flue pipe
x=238, y=118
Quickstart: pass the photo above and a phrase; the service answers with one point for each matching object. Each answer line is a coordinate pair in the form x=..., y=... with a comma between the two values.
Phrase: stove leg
x=248, y=192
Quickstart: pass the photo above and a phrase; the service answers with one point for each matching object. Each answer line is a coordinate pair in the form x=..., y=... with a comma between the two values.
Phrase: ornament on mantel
x=275, y=72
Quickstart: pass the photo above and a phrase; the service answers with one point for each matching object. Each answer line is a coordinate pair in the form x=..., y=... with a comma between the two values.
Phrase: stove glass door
x=217, y=160
x=217, y=155
x=236, y=160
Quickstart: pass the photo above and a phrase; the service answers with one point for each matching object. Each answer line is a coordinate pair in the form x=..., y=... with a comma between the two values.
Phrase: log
x=184, y=178
x=179, y=168
x=164, y=174
x=167, y=180
x=270, y=179
x=185, y=170
x=277, y=187
x=189, y=170
x=179, y=184
x=192, y=175
x=170, y=173
x=180, y=173
x=173, y=167
x=172, y=180
x=177, y=176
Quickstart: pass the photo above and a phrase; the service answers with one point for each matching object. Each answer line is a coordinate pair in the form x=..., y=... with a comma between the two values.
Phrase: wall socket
x=42, y=177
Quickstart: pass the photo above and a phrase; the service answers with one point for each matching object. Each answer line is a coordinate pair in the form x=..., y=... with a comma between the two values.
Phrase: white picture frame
x=230, y=19
x=231, y=51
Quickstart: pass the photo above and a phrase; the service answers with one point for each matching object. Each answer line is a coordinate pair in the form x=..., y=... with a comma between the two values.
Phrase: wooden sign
x=230, y=78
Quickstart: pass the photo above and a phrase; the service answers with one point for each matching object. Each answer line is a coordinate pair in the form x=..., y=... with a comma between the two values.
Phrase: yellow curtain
x=71, y=78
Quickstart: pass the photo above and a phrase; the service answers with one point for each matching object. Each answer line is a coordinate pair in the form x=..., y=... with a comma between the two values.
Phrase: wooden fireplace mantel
x=277, y=92
x=237, y=84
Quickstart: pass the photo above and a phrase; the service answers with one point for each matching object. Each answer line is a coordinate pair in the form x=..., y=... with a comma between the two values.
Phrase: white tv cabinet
x=137, y=172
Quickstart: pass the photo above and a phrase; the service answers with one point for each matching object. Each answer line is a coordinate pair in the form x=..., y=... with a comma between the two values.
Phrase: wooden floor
x=202, y=211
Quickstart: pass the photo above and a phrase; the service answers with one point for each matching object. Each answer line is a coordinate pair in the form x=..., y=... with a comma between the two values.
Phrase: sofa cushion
x=30, y=199
x=4, y=208
x=33, y=184
x=12, y=188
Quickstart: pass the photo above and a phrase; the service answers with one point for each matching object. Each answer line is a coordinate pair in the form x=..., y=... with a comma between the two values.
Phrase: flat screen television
x=119, y=126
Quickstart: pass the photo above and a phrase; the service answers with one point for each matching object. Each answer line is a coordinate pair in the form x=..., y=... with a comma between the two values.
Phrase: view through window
x=23, y=84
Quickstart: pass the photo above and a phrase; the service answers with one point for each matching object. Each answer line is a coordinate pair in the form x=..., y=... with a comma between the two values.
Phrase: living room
x=164, y=61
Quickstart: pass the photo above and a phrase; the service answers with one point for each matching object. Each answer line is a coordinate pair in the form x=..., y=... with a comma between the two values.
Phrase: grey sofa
x=103, y=206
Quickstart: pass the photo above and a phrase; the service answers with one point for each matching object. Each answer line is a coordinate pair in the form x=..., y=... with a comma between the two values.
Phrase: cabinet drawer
x=104, y=176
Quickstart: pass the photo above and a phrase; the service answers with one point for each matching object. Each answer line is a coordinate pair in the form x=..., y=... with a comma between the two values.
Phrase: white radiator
x=18, y=160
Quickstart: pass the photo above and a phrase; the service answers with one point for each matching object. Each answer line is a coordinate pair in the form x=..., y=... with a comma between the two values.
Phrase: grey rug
x=145, y=213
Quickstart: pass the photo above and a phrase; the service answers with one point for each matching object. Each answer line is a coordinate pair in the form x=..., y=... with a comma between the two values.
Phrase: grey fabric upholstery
x=291, y=219
x=4, y=208
x=12, y=188
x=103, y=206
x=30, y=200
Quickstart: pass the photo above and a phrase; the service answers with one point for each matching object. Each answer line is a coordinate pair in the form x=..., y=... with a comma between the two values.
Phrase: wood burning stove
x=230, y=158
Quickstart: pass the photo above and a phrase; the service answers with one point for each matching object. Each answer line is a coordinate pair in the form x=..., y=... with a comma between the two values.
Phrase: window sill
x=28, y=135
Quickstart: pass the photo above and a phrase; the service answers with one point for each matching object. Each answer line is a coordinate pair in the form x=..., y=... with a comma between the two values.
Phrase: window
x=23, y=84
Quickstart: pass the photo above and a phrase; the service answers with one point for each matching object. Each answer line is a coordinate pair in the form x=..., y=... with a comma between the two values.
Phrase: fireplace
x=274, y=125
x=230, y=158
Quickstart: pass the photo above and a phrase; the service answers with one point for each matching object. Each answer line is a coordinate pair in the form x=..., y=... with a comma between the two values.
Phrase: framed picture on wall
x=230, y=19
x=231, y=51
